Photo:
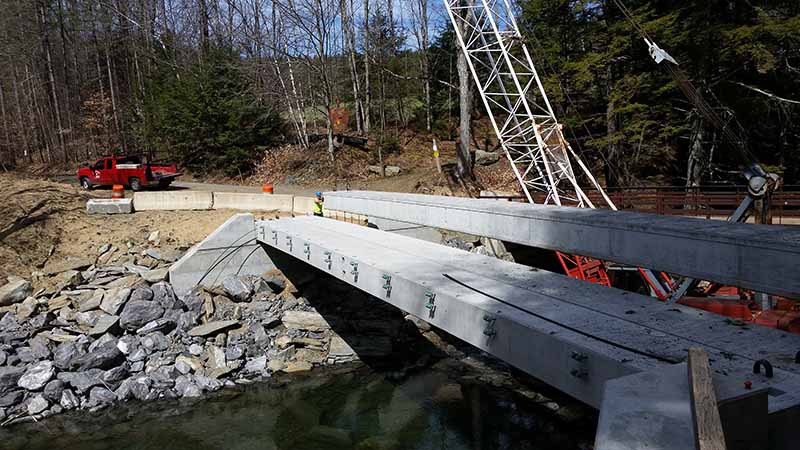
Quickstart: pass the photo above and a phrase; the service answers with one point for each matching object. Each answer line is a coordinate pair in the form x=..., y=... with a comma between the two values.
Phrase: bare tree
x=419, y=20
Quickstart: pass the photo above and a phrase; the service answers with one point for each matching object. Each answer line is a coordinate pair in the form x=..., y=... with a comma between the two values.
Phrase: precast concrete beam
x=759, y=257
x=570, y=334
x=230, y=250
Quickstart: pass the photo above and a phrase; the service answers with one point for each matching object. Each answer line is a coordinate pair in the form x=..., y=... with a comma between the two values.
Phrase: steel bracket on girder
x=431, y=305
x=490, y=323
x=387, y=285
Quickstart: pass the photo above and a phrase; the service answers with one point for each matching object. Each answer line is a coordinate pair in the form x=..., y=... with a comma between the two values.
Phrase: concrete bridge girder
x=575, y=345
x=759, y=257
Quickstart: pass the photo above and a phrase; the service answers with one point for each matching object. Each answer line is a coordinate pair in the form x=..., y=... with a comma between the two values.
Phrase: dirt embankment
x=43, y=220
x=350, y=168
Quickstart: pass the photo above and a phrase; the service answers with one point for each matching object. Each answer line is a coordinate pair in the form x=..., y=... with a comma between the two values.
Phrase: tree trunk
x=20, y=119
x=204, y=33
x=51, y=77
x=350, y=44
x=612, y=149
x=5, y=155
x=114, y=111
x=698, y=160
x=367, y=90
x=463, y=160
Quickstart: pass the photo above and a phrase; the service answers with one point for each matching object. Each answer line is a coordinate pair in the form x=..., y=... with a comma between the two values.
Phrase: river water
x=355, y=410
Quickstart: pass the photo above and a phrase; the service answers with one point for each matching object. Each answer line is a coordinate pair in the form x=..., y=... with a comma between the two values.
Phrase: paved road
x=279, y=188
x=197, y=186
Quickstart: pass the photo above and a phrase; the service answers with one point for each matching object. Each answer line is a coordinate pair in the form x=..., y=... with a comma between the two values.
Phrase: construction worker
x=318, y=200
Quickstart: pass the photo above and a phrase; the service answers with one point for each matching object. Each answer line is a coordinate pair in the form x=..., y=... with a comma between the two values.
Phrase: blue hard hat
x=318, y=194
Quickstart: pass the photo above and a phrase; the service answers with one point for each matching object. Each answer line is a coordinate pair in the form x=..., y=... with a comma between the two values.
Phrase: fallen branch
x=768, y=94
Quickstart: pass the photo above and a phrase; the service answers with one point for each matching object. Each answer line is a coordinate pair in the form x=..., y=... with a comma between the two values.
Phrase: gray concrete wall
x=172, y=200
x=230, y=250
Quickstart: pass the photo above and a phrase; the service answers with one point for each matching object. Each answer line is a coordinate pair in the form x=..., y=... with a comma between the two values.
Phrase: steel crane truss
x=516, y=103
x=523, y=118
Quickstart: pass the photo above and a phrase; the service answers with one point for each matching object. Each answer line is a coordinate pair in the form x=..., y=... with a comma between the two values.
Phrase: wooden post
x=705, y=414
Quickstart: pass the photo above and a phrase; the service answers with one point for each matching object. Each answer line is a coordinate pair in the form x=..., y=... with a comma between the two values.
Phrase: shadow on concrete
x=377, y=332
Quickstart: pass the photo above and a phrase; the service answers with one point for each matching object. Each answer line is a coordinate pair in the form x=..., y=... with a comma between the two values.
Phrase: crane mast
x=521, y=115
x=517, y=104
x=525, y=124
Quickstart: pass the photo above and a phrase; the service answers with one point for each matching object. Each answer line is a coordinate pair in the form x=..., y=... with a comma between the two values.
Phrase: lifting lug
x=328, y=260
x=275, y=237
x=767, y=367
x=289, y=242
x=307, y=250
x=354, y=272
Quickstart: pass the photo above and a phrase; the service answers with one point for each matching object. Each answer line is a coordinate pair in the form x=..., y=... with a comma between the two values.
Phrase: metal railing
x=703, y=201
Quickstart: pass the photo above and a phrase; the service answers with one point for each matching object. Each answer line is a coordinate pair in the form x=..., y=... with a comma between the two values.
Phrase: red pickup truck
x=127, y=170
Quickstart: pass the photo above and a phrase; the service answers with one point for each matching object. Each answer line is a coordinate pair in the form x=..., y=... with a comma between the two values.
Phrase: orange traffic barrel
x=118, y=191
x=267, y=188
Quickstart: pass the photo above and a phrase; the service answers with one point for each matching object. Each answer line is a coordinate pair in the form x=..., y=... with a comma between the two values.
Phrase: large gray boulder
x=105, y=357
x=37, y=376
x=15, y=291
x=141, y=294
x=64, y=353
x=483, y=158
x=114, y=299
x=100, y=395
x=53, y=390
x=137, y=313
x=82, y=381
x=165, y=296
x=237, y=289
x=9, y=377
x=37, y=405
x=69, y=400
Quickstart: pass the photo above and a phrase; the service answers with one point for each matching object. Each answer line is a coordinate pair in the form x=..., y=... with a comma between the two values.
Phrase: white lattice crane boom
x=516, y=103
x=524, y=121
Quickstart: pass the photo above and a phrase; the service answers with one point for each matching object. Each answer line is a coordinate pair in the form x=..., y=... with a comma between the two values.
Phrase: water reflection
x=358, y=410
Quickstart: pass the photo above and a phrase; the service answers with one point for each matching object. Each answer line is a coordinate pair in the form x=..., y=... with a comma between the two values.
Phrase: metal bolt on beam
x=275, y=237
x=354, y=272
x=328, y=260
x=307, y=250
x=289, y=242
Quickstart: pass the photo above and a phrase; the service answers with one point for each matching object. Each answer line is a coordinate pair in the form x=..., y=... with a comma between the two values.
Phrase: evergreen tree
x=207, y=118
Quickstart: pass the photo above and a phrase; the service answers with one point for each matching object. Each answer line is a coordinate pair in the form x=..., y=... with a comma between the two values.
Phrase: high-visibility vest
x=317, y=206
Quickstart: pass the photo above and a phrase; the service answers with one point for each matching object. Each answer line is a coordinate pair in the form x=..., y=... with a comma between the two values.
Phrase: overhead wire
x=608, y=163
x=736, y=140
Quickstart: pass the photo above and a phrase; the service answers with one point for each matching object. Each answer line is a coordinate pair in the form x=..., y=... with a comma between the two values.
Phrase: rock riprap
x=87, y=333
